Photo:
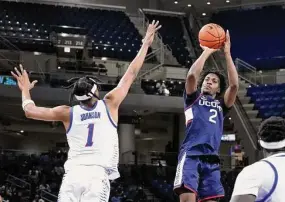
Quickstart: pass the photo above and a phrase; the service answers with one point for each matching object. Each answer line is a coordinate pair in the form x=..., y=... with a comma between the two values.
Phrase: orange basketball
x=212, y=36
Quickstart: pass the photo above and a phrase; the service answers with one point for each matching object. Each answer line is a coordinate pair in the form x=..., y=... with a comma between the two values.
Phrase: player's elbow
x=28, y=114
x=234, y=87
x=191, y=78
x=191, y=83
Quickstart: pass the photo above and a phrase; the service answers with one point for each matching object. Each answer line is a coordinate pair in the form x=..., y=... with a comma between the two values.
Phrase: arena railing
x=251, y=75
x=169, y=159
x=246, y=71
x=145, y=22
x=8, y=44
x=47, y=196
x=158, y=54
x=12, y=48
x=18, y=182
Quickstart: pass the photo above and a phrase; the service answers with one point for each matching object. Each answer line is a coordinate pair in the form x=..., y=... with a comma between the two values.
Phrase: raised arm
x=231, y=92
x=196, y=69
x=117, y=95
x=60, y=113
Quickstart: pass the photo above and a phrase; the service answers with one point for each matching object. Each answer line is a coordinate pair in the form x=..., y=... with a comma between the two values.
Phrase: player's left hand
x=227, y=45
x=23, y=79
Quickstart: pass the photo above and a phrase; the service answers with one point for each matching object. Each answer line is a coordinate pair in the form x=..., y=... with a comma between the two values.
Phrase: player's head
x=213, y=83
x=85, y=90
x=271, y=134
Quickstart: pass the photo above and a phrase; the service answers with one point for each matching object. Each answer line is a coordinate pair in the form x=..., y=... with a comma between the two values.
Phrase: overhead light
x=176, y=2
x=22, y=131
x=208, y=2
x=37, y=53
x=58, y=67
x=147, y=138
x=230, y=118
x=189, y=5
x=227, y=1
x=137, y=131
x=67, y=49
x=204, y=14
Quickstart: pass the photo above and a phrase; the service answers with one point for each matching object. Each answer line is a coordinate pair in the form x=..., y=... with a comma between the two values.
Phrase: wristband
x=26, y=102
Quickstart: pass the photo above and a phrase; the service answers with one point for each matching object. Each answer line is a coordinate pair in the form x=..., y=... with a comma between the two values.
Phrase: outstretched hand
x=151, y=30
x=23, y=79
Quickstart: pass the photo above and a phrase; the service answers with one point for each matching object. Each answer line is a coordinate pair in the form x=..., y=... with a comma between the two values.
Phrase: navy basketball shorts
x=200, y=177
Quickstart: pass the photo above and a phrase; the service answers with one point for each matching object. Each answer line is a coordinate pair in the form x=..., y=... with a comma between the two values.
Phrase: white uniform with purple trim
x=264, y=179
x=93, y=156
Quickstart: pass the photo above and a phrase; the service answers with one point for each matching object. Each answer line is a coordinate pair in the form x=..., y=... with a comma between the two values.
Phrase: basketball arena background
x=59, y=40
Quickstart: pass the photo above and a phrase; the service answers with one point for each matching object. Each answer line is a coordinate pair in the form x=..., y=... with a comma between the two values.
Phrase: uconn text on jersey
x=204, y=102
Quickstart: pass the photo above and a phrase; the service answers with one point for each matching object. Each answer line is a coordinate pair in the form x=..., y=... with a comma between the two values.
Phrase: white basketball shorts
x=85, y=184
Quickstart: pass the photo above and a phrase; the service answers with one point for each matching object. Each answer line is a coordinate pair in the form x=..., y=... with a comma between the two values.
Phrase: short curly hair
x=222, y=84
x=272, y=130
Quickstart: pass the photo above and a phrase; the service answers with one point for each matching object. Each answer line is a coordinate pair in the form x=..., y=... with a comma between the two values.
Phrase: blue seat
x=269, y=100
x=247, y=46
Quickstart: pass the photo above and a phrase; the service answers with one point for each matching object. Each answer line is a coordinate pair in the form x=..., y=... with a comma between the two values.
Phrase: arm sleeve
x=248, y=181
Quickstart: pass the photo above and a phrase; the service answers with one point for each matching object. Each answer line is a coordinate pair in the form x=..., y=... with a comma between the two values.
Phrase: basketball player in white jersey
x=264, y=181
x=91, y=129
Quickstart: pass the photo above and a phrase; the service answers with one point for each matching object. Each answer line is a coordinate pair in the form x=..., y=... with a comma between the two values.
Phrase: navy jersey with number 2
x=195, y=171
x=204, y=118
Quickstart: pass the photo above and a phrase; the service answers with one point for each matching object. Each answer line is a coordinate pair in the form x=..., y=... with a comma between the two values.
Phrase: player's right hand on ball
x=209, y=50
x=151, y=30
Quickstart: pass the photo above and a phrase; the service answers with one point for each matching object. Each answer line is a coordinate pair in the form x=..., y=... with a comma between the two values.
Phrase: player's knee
x=187, y=197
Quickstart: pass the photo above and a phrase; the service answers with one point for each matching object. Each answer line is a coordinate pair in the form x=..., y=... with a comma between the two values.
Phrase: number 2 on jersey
x=212, y=117
x=89, y=142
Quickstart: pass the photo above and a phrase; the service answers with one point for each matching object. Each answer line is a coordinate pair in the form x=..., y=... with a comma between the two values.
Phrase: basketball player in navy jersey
x=264, y=181
x=198, y=170
x=91, y=129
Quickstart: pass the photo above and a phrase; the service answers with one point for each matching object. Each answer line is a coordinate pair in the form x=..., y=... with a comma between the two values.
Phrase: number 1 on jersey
x=89, y=142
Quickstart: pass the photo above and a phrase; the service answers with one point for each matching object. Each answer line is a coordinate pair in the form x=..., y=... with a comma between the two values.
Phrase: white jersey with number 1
x=93, y=139
x=264, y=179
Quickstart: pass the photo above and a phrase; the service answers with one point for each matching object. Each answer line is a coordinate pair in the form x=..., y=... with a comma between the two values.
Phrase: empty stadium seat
x=269, y=100
x=29, y=26
x=259, y=41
